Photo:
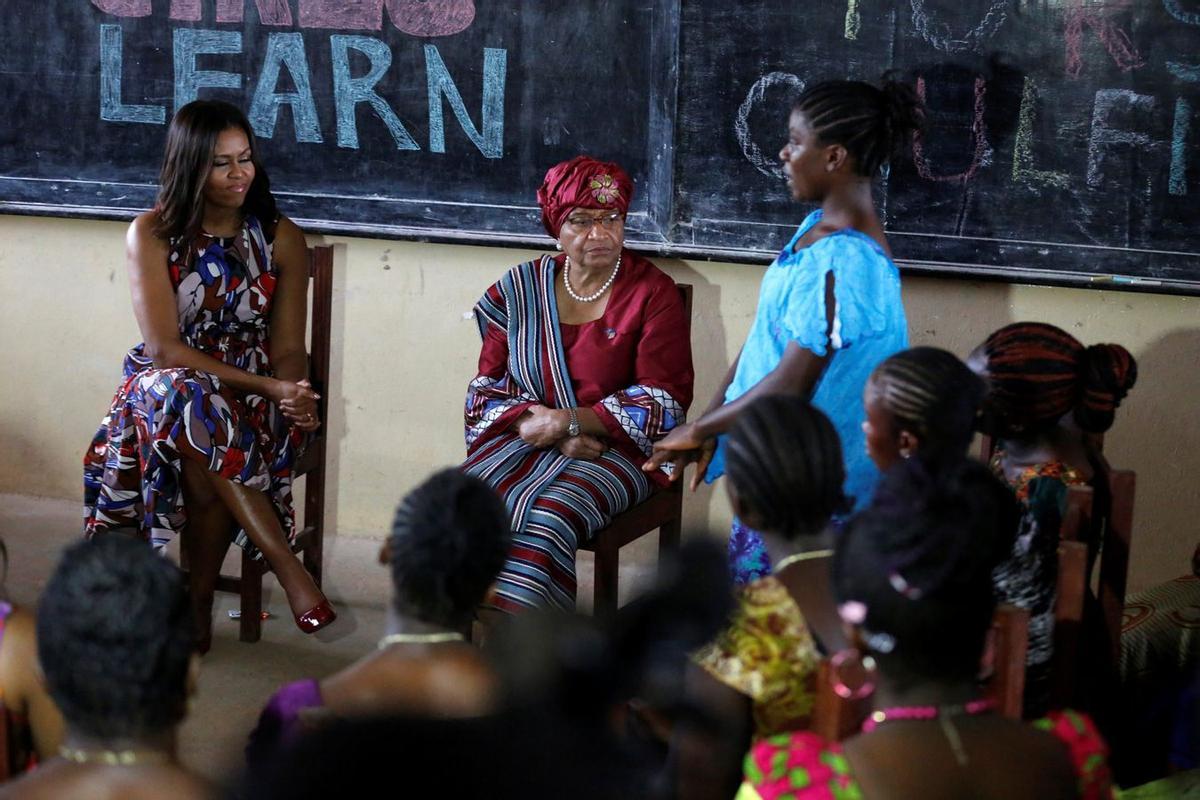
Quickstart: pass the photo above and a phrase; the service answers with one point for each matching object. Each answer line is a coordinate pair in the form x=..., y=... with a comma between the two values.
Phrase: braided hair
x=114, y=630
x=1038, y=373
x=449, y=539
x=872, y=123
x=784, y=459
x=914, y=567
x=932, y=394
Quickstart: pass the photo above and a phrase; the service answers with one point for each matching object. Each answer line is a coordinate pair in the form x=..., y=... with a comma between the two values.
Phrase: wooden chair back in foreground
x=662, y=511
x=310, y=540
x=1010, y=644
x=837, y=717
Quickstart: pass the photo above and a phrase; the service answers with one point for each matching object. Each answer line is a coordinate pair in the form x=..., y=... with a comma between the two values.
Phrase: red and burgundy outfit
x=632, y=366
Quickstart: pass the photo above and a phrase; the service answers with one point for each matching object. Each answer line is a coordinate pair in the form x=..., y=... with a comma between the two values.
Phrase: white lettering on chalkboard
x=767, y=165
x=941, y=37
x=1104, y=134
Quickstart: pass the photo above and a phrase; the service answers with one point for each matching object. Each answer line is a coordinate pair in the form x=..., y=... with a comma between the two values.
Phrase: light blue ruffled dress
x=868, y=326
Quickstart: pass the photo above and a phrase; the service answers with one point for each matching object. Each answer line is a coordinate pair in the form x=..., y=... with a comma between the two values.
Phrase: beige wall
x=403, y=353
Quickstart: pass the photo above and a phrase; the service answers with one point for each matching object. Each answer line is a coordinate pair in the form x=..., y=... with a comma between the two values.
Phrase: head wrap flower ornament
x=582, y=182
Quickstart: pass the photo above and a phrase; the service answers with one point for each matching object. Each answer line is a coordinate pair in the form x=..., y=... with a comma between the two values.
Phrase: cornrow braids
x=784, y=459
x=1038, y=373
x=449, y=539
x=872, y=123
x=933, y=394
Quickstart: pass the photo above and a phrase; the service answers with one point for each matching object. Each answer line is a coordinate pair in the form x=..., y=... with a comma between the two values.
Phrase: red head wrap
x=582, y=182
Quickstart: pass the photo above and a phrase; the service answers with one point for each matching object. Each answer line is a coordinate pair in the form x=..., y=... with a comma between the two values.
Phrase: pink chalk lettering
x=430, y=17
x=124, y=8
x=1115, y=40
x=414, y=17
x=270, y=12
x=978, y=132
x=185, y=10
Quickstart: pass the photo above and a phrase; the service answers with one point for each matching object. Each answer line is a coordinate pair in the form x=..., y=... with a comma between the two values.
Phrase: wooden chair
x=1071, y=594
x=662, y=511
x=1006, y=686
x=310, y=540
x=836, y=718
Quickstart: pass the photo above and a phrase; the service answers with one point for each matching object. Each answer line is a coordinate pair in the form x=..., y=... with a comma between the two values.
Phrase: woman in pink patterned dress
x=215, y=404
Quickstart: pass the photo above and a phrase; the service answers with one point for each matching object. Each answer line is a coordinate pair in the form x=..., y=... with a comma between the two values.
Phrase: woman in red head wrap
x=586, y=362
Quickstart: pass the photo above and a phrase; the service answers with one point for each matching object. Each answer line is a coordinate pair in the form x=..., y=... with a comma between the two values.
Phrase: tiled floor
x=237, y=678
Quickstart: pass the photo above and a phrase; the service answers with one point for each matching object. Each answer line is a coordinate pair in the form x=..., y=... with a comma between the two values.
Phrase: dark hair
x=1037, y=373
x=932, y=394
x=784, y=459
x=872, y=123
x=188, y=161
x=449, y=540
x=920, y=558
x=114, y=635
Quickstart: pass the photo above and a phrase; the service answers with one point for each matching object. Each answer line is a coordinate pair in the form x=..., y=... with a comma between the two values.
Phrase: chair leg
x=604, y=595
x=251, y=622
x=669, y=536
x=313, y=558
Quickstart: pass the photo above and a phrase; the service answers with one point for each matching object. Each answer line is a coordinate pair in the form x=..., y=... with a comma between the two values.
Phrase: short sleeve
x=866, y=290
x=1087, y=750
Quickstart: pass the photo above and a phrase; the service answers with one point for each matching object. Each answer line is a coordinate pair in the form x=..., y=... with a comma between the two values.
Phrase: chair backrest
x=836, y=718
x=1010, y=644
x=1116, y=490
x=320, y=270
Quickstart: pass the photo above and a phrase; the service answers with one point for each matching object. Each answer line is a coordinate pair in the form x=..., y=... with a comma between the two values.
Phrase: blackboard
x=1062, y=147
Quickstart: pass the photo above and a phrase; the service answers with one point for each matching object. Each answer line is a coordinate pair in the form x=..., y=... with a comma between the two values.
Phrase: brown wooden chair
x=662, y=511
x=1071, y=594
x=310, y=540
x=1006, y=685
x=836, y=718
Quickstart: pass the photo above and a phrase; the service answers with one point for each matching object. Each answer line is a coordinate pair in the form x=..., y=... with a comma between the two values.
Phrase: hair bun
x=1108, y=372
x=903, y=111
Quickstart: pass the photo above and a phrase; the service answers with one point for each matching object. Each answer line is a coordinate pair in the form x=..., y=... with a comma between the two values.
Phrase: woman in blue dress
x=829, y=310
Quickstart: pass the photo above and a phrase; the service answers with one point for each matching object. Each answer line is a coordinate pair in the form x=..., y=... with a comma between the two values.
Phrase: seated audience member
x=559, y=729
x=911, y=575
x=924, y=403
x=448, y=541
x=1045, y=391
x=115, y=644
x=586, y=362
x=785, y=475
x=34, y=724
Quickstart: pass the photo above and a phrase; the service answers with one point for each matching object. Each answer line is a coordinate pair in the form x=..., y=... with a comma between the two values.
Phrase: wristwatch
x=573, y=425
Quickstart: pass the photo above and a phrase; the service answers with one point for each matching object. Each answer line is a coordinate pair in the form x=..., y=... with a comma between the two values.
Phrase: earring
x=864, y=664
x=557, y=244
x=905, y=453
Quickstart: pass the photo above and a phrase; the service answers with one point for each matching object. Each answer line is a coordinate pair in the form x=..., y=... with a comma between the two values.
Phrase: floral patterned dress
x=803, y=766
x=768, y=654
x=132, y=472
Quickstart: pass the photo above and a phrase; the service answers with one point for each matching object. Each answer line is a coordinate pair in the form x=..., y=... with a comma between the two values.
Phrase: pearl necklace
x=594, y=296
x=420, y=638
x=797, y=557
x=113, y=758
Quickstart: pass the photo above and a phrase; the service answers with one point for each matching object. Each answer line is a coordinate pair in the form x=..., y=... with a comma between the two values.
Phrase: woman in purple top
x=448, y=542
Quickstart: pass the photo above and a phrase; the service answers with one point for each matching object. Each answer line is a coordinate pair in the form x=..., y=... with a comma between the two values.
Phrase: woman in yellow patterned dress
x=784, y=464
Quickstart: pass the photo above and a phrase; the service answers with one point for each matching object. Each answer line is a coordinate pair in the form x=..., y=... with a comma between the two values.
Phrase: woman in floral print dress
x=214, y=405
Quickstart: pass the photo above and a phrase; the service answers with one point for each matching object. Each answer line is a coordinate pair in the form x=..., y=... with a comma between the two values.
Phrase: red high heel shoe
x=316, y=618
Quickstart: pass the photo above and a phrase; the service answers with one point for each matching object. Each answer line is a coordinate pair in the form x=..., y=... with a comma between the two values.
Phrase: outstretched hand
x=681, y=447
